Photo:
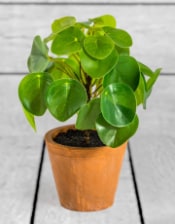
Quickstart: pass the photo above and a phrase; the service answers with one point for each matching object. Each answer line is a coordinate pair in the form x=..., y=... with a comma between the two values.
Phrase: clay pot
x=86, y=178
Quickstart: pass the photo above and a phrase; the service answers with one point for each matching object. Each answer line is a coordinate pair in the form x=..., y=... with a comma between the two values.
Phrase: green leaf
x=88, y=114
x=145, y=69
x=126, y=71
x=118, y=104
x=68, y=41
x=38, y=60
x=63, y=23
x=74, y=65
x=59, y=25
x=65, y=97
x=82, y=25
x=123, y=51
x=32, y=91
x=141, y=90
x=113, y=136
x=62, y=69
x=151, y=81
x=30, y=118
x=57, y=71
x=98, y=68
x=105, y=20
x=120, y=37
x=98, y=47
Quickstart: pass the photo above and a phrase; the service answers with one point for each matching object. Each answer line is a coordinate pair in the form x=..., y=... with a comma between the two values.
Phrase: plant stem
x=88, y=86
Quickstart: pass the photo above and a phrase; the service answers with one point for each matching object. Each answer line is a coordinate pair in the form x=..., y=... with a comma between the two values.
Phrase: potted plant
x=85, y=68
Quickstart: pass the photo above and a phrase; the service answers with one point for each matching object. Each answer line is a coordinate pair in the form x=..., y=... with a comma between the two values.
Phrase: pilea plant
x=85, y=68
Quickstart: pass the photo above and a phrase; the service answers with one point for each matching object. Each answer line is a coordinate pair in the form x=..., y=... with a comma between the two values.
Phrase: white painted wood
x=19, y=159
x=20, y=151
x=152, y=29
x=89, y=1
x=153, y=150
x=123, y=211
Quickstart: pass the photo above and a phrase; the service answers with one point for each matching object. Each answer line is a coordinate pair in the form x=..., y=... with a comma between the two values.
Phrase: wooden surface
x=153, y=150
x=146, y=193
x=88, y=1
x=19, y=157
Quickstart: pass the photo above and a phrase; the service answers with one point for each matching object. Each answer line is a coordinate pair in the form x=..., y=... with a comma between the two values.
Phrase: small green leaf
x=38, y=59
x=65, y=97
x=67, y=41
x=84, y=24
x=126, y=71
x=32, y=91
x=59, y=25
x=113, y=136
x=88, y=114
x=118, y=104
x=74, y=65
x=98, y=68
x=145, y=69
x=105, y=20
x=153, y=78
x=98, y=47
x=63, y=23
x=57, y=71
x=120, y=37
x=64, y=68
x=30, y=118
x=123, y=51
x=141, y=90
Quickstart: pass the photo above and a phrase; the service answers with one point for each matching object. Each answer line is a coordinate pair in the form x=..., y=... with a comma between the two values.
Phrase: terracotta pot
x=86, y=178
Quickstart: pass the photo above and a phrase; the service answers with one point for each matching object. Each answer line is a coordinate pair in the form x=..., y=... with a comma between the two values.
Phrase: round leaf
x=98, y=68
x=65, y=97
x=32, y=91
x=105, y=20
x=118, y=104
x=119, y=36
x=88, y=114
x=38, y=59
x=60, y=24
x=30, y=118
x=113, y=136
x=98, y=47
x=140, y=92
x=126, y=71
x=67, y=41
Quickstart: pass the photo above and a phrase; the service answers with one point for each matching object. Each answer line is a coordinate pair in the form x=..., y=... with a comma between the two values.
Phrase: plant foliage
x=85, y=68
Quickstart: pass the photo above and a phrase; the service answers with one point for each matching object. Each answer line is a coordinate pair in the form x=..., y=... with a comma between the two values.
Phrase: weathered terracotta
x=86, y=178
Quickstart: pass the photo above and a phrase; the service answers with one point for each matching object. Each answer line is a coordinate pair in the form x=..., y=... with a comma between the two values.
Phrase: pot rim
x=74, y=151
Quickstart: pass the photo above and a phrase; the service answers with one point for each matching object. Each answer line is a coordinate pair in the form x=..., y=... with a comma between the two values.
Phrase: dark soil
x=79, y=138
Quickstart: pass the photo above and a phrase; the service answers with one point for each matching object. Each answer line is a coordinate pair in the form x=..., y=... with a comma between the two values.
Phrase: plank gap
x=135, y=185
x=91, y=3
x=35, y=199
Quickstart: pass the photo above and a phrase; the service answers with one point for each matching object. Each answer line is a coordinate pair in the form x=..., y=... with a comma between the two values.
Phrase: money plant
x=85, y=68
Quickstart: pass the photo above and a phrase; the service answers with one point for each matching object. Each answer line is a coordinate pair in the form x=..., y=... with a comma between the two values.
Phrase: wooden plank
x=19, y=157
x=153, y=150
x=89, y=1
x=123, y=211
x=152, y=29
